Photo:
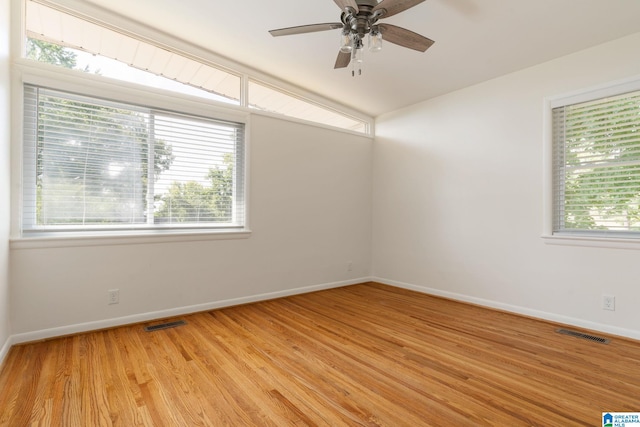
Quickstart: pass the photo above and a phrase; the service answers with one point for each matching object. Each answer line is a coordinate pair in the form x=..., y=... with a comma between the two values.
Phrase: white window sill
x=595, y=242
x=133, y=238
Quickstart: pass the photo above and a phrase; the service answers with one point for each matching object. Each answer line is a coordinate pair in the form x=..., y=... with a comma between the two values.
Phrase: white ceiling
x=476, y=40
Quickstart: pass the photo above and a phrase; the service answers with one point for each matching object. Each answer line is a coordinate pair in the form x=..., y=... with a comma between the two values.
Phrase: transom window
x=92, y=164
x=53, y=34
x=65, y=38
x=596, y=166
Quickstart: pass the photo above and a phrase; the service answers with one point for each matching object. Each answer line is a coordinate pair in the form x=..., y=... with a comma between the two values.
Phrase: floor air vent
x=584, y=336
x=165, y=326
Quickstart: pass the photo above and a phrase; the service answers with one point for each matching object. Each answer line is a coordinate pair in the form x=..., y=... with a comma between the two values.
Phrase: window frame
x=109, y=20
x=45, y=75
x=291, y=97
x=628, y=240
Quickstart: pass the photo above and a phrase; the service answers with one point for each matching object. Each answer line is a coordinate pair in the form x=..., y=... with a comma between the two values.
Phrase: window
x=596, y=166
x=266, y=98
x=68, y=38
x=92, y=164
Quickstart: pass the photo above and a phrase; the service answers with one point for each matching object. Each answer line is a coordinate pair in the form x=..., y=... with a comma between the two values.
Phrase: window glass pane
x=265, y=98
x=597, y=165
x=61, y=39
x=197, y=185
x=92, y=164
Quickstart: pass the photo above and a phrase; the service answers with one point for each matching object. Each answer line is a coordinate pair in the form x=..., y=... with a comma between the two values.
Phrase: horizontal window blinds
x=93, y=164
x=596, y=159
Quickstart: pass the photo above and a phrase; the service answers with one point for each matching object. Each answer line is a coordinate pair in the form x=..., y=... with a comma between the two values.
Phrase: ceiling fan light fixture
x=346, y=43
x=357, y=56
x=375, y=41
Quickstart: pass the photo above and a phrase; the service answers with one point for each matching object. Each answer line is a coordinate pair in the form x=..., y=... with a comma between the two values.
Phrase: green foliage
x=91, y=164
x=192, y=201
x=50, y=53
x=602, y=187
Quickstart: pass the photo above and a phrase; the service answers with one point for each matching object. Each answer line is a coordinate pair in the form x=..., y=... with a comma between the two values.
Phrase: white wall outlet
x=114, y=296
x=350, y=266
x=608, y=302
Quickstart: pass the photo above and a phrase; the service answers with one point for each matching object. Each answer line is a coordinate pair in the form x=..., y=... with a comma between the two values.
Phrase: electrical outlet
x=608, y=302
x=350, y=266
x=114, y=296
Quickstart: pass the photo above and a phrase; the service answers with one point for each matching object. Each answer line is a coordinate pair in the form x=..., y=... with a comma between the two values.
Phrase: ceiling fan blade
x=395, y=6
x=343, y=59
x=403, y=37
x=306, y=29
x=343, y=4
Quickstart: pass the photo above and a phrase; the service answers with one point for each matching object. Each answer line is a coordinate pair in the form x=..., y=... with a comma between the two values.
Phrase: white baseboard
x=4, y=351
x=557, y=318
x=178, y=311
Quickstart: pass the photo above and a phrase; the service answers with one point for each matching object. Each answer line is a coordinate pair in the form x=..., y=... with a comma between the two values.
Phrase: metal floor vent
x=582, y=335
x=165, y=325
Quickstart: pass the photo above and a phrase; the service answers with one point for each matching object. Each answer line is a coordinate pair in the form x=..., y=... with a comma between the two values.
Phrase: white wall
x=457, y=211
x=458, y=199
x=310, y=207
x=5, y=121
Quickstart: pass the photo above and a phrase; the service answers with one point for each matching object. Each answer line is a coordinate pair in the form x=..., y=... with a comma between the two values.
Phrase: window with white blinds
x=596, y=157
x=96, y=165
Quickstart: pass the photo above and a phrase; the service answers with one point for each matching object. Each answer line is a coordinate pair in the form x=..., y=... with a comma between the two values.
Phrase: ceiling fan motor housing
x=360, y=22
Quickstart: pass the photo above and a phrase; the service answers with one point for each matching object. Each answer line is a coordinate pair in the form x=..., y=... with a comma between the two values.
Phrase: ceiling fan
x=360, y=18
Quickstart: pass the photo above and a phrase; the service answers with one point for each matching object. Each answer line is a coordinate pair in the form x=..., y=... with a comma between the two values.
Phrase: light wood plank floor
x=368, y=355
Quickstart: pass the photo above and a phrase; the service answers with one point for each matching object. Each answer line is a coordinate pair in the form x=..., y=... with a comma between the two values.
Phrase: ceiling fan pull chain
x=357, y=56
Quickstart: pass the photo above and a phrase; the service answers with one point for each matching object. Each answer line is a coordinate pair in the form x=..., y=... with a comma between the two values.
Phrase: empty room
x=322, y=213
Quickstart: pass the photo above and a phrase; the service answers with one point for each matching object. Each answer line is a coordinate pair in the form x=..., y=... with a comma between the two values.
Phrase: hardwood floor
x=362, y=355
